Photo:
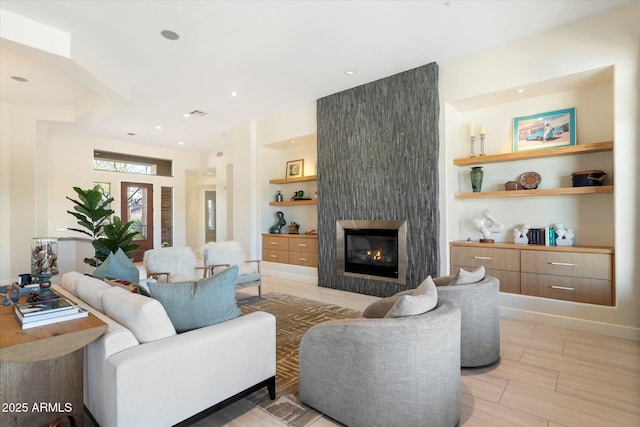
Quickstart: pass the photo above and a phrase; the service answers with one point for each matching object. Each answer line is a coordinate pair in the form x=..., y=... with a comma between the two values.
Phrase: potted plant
x=107, y=231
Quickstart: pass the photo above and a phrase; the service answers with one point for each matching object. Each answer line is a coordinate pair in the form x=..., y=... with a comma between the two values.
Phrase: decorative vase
x=476, y=176
x=44, y=264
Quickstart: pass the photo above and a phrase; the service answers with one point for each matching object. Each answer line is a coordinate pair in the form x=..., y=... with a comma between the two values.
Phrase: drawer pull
x=273, y=256
x=562, y=288
x=302, y=245
x=567, y=264
x=482, y=257
x=302, y=259
x=274, y=243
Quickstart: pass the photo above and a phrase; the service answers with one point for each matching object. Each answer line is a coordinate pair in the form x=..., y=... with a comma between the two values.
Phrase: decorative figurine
x=281, y=221
x=520, y=234
x=487, y=224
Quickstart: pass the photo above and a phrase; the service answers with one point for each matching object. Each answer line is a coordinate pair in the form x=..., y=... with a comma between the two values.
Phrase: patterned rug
x=294, y=316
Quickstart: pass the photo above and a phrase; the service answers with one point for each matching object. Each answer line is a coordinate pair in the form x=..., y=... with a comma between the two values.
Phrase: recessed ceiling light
x=520, y=90
x=234, y=93
x=169, y=35
x=158, y=127
x=350, y=72
x=187, y=115
x=181, y=143
x=19, y=79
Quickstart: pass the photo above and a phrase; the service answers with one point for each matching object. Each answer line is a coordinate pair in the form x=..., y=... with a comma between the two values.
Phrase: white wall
x=605, y=42
x=40, y=167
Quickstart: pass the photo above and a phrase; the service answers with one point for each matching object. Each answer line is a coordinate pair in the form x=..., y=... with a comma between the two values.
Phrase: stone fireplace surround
x=378, y=160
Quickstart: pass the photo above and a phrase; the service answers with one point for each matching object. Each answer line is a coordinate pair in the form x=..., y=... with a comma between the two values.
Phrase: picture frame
x=295, y=169
x=544, y=130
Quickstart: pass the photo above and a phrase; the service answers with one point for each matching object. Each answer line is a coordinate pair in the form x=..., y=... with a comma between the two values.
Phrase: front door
x=137, y=206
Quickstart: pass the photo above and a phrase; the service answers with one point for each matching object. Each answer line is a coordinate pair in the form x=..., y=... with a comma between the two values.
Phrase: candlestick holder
x=473, y=141
x=482, y=138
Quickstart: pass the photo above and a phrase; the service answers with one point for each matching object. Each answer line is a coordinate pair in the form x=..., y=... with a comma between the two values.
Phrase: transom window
x=126, y=163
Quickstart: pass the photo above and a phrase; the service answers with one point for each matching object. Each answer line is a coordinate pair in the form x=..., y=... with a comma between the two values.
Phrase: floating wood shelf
x=296, y=203
x=596, y=147
x=537, y=193
x=294, y=180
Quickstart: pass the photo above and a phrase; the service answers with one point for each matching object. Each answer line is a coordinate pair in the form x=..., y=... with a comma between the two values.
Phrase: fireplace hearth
x=374, y=249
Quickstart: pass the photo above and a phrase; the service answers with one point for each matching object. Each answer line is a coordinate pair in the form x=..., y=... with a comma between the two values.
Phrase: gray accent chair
x=385, y=372
x=480, y=310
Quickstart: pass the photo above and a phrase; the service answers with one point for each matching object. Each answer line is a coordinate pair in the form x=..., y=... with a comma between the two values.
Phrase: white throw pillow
x=423, y=299
x=90, y=290
x=70, y=281
x=464, y=277
x=143, y=316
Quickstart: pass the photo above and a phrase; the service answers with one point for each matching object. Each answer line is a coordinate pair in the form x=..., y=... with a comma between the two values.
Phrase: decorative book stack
x=40, y=313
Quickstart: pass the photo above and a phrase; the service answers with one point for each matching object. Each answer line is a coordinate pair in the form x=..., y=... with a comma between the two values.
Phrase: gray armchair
x=385, y=371
x=480, y=317
x=480, y=313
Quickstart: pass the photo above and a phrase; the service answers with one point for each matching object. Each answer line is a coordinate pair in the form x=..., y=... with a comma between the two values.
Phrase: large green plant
x=107, y=232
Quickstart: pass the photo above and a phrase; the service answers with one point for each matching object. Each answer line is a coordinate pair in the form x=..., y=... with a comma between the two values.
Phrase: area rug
x=294, y=316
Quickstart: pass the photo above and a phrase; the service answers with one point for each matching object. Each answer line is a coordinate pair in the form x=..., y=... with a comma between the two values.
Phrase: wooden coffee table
x=42, y=369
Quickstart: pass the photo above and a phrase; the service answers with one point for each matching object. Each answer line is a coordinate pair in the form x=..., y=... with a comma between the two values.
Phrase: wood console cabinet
x=42, y=369
x=296, y=249
x=572, y=273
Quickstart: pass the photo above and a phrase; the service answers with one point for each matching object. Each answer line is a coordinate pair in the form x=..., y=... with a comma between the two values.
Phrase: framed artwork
x=295, y=168
x=544, y=130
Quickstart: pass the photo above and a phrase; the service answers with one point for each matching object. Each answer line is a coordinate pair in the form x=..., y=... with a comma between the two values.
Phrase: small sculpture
x=564, y=236
x=281, y=221
x=520, y=235
x=487, y=224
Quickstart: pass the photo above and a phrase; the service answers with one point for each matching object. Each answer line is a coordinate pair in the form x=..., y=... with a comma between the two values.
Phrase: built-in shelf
x=537, y=193
x=595, y=147
x=294, y=203
x=293, y=180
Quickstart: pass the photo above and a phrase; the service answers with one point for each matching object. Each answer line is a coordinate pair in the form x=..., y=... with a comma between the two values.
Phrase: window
x=125, y=163
x=105, y=187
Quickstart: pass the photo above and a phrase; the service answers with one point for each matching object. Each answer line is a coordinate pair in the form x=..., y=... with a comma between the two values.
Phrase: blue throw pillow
x=193, y=305
x=117, y=266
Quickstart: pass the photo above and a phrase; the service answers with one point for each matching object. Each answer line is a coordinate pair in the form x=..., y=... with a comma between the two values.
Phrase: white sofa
x=141, y=373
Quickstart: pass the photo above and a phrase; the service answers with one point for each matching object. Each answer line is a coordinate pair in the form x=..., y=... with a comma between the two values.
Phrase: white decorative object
x=564, y=236
x=487, y=224
x=520, y=234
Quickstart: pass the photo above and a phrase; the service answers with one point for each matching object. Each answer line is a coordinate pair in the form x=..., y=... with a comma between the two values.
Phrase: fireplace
x=373, y=249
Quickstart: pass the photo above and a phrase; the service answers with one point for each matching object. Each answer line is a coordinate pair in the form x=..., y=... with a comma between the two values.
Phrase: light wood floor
x=546, y=376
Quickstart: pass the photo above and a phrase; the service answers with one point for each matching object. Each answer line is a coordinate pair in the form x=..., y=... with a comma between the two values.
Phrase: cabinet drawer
x=306, y=259
x=592, y=291
x=574, y=264
x=304, y=245
x=498, y=259
x=279, y=243
x=274, y=255
x=509, y=280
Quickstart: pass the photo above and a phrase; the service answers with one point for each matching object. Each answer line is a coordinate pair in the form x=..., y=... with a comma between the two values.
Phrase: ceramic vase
x=476, y=176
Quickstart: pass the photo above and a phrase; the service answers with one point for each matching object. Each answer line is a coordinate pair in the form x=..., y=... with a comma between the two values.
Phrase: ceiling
x=124, y=78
